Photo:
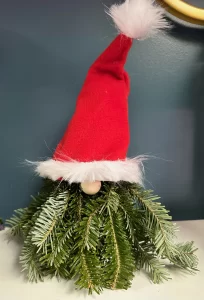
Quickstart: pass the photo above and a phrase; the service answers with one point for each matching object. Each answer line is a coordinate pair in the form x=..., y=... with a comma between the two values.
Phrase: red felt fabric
x=99, y=129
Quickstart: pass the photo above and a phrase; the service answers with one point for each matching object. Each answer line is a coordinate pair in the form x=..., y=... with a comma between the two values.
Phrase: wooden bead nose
x=91, y=188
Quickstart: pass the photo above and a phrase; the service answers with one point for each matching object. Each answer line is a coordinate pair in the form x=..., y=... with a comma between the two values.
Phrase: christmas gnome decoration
x=93, y=220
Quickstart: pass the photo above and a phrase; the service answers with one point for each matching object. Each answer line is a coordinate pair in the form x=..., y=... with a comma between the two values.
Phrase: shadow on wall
x=197, y=89
x=34, y=84
x=167, y=117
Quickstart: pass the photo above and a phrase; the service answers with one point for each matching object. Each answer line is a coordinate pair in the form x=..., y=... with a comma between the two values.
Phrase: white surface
x=13, y=286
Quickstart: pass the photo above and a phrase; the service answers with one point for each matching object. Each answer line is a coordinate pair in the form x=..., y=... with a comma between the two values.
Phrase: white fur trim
x=138, y=19
x=130, y=170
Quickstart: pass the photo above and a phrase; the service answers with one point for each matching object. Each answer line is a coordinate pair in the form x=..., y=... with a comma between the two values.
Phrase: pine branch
x=129, y=222
x=112, y=198
x=79, y=207
x=28, y=224
x=17, y=221
x=58, y=272
x=117, y=254
x=162, y=232
x=52, y=212
x=58, y=254
x=86, y=264
x=88, y=230
x=146, y=257
x=99, y=239
x=90, y=235
x=157, y=220
x=30, y=262
x=157, y=270
x=2, y=226
x=22, y=221
x=186, y=258
x=58, y=250
x=89, y=227
x=90, y=272
x=144, y=250
x=133, y=218
x=118, y=258
x=24, y=218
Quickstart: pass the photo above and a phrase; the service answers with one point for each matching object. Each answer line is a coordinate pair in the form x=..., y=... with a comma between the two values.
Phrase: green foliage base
x=101, y=240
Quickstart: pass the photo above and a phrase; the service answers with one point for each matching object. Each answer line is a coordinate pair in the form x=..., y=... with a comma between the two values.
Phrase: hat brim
x=130, y=170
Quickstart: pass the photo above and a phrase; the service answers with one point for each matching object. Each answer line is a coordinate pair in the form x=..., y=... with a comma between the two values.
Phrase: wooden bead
x=91, y=188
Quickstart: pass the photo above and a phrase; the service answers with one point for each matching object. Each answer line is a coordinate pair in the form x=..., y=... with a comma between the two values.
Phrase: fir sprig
x=90, y=272
x=24, y=218
x=89, y=228
x=17, y=221
x=157, y=220
x=186, y=258
x=118, y=272
x=87, y=232
x=30, y=262
x=58, y=254
x=156, y=269
x=100, y=240
x=44, y=230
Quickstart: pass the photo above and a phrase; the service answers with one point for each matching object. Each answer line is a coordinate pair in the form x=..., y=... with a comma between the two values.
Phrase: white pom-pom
x=138, y=19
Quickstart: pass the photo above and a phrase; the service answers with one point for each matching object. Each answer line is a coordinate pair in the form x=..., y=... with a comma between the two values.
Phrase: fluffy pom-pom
x=138, y=19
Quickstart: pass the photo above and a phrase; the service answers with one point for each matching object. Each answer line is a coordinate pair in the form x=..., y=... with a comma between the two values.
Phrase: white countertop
x=13, y=286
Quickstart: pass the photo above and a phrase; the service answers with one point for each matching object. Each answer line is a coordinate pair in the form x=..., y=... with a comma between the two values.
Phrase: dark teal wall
x=198, y=3
x=46, y=48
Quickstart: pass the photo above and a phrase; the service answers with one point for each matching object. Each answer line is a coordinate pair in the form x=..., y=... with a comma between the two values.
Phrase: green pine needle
x=30, y=262
x=90, y=272
x=118, y=272
x=99, y=240
x=44, y=230
x=186, y=258
x=157, y=220
x=156, y=269
x=17, y=221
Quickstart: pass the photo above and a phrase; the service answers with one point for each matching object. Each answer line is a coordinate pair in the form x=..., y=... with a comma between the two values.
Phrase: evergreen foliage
x=2, y=227
x=100, y=240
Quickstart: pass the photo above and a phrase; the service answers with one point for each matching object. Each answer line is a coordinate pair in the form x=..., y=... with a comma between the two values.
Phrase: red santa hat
x=95, y=143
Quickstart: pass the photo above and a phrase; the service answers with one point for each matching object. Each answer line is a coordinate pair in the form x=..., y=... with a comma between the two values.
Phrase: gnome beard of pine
x=99, y=240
